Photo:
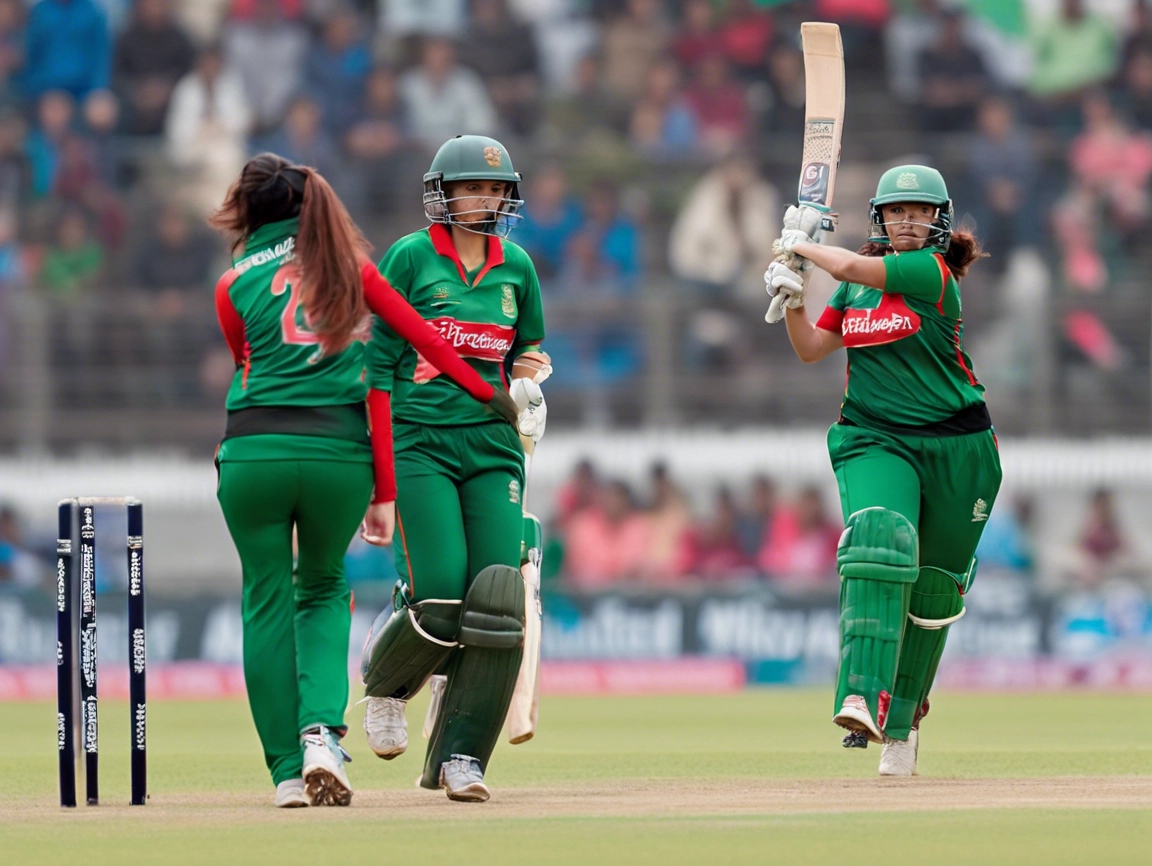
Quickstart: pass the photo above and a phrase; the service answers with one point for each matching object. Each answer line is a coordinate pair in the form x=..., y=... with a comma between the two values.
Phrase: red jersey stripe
x=831, y=320
x=944, y=272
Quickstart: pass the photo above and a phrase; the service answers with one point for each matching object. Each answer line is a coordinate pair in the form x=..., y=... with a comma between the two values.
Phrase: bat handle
x=775, y=310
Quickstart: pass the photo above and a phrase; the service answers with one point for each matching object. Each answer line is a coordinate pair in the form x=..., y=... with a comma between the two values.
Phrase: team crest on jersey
x=889, y=322
x=441, y=292
x=980, y=511
x=514, y=492
x=493, y=157
x=508, y=301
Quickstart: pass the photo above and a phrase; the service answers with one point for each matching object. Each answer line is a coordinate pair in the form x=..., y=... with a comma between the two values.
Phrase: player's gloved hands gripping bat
x=787, y=276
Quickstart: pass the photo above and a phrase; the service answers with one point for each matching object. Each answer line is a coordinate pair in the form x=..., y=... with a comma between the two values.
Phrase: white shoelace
x=385, y=714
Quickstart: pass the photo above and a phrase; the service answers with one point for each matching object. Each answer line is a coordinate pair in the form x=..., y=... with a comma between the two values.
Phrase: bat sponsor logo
x=814, y=183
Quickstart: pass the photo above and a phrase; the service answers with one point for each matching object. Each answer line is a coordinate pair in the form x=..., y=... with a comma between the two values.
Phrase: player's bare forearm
x=844, y=265
x=810, y=343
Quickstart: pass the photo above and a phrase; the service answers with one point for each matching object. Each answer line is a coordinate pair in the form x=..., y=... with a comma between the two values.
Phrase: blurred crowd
x=605, y=534
x=659, y=139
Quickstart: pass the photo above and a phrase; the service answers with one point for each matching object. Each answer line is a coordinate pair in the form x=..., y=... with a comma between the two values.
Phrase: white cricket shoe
x=386, y=727
x=854, y=716
x=290, y=794
x=325, y=781
x=463, y=779
x=898, y=757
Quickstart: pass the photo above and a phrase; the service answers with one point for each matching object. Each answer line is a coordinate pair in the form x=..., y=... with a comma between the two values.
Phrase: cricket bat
x=525, y=706
x=823, y=127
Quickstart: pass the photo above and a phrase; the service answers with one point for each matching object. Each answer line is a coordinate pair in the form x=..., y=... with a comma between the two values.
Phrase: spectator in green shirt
x=74, y=259
x=1073, y=51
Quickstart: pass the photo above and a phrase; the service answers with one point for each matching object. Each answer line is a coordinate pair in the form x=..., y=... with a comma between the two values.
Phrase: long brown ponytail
x=963, y=251
x=329, y=247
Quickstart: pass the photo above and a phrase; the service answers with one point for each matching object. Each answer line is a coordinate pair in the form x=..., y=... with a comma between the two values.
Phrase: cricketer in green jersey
x=914, y=452
x=298, y=457
x=460, y=606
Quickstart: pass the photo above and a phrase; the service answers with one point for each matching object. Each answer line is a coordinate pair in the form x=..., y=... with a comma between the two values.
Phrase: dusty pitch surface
x=646, y=798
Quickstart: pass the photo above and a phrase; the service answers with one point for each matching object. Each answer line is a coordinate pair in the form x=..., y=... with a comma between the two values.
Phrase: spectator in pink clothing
x=714, y=546
x=607, y=542
x=1113, y=162
x=801, y=547
x=669, y=524
x=1111, y=166
x=577, y=494
x=719, y=104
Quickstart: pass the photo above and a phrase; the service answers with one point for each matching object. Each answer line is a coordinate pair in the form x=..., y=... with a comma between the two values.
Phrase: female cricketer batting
x=297, y=454
x=459, y=477
x=914, y=451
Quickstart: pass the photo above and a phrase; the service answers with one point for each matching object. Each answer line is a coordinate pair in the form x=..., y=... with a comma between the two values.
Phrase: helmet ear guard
x=435, y=204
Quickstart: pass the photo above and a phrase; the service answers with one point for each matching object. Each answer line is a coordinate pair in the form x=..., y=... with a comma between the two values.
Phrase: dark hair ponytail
x=963, y=251
x=329, y=251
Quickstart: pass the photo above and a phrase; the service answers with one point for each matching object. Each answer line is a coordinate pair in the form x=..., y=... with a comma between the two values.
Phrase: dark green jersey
x=279, y=362
x=487, y=317
x=906, y=362
x=283, y=365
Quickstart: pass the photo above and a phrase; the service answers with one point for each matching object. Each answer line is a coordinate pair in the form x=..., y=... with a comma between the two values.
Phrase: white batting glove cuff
x=805, y=218
x=529, y=399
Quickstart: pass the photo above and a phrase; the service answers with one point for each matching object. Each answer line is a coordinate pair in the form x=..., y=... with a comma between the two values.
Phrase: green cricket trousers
x=458, y=506
x=296, y=622
x=945, y=486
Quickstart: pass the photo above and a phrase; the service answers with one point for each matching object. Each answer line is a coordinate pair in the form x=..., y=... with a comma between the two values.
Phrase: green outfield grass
x=211, y=795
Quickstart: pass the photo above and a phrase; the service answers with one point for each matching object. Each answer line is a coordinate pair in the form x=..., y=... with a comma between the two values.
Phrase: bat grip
x=775, y=310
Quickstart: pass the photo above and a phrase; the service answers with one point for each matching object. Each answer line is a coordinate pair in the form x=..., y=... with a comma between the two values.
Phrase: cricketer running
x=914, y=452
x=460, y=605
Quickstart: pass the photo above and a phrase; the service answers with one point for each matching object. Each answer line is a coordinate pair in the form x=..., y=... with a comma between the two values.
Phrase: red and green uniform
x=297, y=455
x=459, y=476
x=914, y=443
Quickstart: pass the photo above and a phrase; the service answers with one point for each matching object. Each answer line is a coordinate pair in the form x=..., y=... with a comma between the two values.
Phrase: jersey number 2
x=295, y=334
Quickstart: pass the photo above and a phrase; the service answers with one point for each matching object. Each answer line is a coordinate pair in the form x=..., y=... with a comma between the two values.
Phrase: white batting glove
x=806, y=219
x=780, y=279
x=529, y=399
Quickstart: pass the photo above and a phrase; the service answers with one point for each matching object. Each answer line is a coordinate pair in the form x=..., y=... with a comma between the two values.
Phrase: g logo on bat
x=814, y=183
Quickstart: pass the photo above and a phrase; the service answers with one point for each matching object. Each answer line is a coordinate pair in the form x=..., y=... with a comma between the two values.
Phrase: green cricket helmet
x=473, y=157
x=918, y=183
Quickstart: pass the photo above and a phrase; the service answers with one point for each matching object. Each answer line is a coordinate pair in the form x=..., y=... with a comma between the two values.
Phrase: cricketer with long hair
x=298, y=455
x=914, y=451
